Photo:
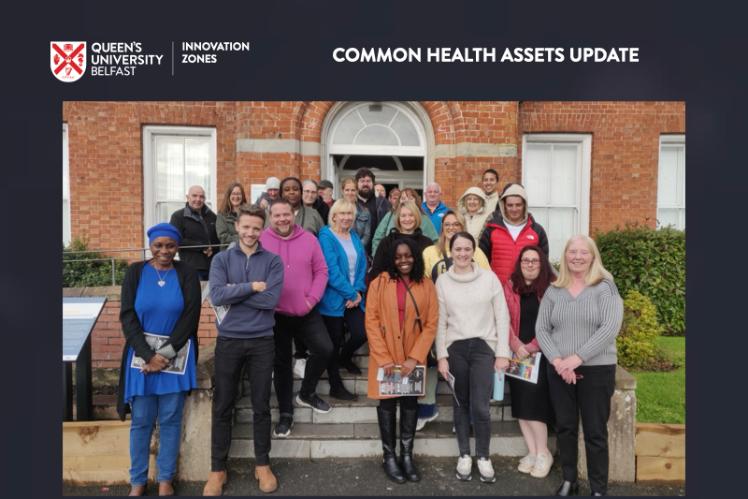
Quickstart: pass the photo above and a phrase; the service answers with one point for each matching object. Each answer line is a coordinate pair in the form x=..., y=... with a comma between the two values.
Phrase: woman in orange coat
x=401, y=321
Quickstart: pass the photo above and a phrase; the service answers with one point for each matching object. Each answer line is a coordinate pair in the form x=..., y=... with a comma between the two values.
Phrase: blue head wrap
x=163, y=230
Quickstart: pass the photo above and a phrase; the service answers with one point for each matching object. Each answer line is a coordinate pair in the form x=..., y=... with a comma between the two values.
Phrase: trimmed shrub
x=652, y=262
x=89, y=268
x=636, y=341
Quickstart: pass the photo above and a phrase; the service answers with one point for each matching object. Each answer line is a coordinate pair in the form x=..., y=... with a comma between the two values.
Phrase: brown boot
x=267, y=481
x=165, y=488
x=137, y=490
x=215, y=483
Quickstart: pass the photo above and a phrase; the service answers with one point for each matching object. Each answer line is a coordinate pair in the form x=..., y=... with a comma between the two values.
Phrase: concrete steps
x=346, y=440
x=350, y=429
x=364, y=410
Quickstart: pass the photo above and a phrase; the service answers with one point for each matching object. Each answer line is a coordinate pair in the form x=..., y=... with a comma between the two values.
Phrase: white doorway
x=392, y=139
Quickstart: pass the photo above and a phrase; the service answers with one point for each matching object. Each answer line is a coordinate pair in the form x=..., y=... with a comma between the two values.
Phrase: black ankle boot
x=568, y=488
x=408, y=421
x=387, y=431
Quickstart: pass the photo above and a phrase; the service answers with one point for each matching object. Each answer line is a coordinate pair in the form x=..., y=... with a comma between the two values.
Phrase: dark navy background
x=691, y=53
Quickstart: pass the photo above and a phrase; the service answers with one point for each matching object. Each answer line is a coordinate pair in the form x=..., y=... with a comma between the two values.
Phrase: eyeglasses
x=452, y=225
x=528, y=261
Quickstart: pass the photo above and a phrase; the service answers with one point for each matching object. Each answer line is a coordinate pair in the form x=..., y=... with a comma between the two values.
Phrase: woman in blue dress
x=160, y=311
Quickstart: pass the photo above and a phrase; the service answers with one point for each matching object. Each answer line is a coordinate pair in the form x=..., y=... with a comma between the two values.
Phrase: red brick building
x=587, y=166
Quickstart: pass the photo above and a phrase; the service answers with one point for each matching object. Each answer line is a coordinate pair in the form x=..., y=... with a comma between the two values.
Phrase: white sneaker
x=422, y=421
x=464, y=468
x=526, y=463
x=542, y=466
x=299, y=366
x=485, y=468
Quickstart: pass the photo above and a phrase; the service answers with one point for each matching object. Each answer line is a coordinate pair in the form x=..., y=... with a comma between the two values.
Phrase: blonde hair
x=347, y=180
x=410, y=205
x=338, y=206
x=442, y=244
x=596, y=272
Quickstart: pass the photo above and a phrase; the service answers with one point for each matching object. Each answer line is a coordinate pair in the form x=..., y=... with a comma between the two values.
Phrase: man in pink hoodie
x=304, y=282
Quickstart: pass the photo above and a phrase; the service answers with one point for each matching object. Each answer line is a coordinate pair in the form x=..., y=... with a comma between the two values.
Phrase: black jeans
x=590, y=396
x=231, y=355
x=313, y=332
x=471, y=362
x=354, y=319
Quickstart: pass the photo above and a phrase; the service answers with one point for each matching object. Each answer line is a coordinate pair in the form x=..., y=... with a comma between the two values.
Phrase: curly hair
x=418, y=266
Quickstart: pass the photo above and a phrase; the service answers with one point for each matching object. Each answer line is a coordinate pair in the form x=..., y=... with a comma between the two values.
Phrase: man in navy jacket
x=245, y=283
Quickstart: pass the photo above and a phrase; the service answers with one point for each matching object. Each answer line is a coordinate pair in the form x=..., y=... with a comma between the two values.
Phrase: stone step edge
x=354, y=448
x=245, y=402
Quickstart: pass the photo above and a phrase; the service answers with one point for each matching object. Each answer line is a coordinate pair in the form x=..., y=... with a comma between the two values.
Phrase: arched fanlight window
x=387, y=128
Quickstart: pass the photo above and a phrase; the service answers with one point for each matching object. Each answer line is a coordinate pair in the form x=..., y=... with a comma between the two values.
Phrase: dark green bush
x=636, y=343
x=652, y=262
x=89, y=268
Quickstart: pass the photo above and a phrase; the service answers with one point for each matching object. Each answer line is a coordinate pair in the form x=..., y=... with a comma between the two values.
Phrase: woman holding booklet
x=401, y=320
x=159, y=313
x=531, y=403
x=471, y=343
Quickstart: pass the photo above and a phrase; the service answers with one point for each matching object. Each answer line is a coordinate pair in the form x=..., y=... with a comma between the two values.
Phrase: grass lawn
x=661, y=396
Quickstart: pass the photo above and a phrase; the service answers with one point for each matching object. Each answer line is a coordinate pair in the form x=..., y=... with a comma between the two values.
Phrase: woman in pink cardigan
x=531, y=403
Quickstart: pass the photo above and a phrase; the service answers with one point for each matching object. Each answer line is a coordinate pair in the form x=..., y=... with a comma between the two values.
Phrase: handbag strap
x=418, y=313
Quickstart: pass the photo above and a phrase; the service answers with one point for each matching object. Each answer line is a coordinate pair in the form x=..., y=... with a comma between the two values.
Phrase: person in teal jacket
x=342, y=303
x=388, y=221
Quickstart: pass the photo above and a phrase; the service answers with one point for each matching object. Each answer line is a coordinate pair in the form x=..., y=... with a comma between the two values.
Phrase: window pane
x=668, y=217
x=405, y=130
x=376, y=135
x=66, y=231
x=563, y=175
x=169, y=168
x=165, y=209
x=537, y=174
x=197, y=163
x=562, y=224
x=347, y=129
x=667, y=190
x=377, y=114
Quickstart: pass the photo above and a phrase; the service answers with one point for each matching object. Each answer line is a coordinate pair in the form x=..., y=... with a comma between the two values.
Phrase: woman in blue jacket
x=342, y=303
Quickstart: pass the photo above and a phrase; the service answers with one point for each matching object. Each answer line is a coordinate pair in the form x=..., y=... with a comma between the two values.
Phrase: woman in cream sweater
x=472, y=341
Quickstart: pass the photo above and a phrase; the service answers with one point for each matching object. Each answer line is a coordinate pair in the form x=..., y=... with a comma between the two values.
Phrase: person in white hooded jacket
x=472, y=206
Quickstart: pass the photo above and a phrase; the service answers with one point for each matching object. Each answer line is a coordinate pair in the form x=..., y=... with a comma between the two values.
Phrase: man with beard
x=377, y=206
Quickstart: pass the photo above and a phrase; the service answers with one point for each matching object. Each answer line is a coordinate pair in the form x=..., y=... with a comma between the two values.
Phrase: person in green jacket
x=388, y=221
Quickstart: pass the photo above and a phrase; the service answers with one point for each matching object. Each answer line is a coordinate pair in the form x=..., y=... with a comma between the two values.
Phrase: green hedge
x=90, y=268
x=636, y=343
x=652, y=262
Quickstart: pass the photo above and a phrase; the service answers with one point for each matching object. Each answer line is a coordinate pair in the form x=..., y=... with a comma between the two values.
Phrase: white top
x=514, y=230
x=472, y=305
x=350, y=252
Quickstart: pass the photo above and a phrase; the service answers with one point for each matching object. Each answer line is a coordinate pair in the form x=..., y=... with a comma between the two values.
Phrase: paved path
x=364, y=477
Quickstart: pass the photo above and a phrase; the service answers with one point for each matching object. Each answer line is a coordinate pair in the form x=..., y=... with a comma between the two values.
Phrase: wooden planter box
x=98, y=452
x=660, y=452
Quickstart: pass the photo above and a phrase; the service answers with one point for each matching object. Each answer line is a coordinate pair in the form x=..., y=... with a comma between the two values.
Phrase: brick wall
x=625, y=151
x=106, y=171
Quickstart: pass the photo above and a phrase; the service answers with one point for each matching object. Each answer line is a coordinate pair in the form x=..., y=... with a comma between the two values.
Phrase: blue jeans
x=168, y=410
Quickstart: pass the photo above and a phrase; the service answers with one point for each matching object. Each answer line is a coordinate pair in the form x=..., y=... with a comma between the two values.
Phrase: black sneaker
x=350, y=367
x=283, y=428
x=314, y=402
x=342, y=393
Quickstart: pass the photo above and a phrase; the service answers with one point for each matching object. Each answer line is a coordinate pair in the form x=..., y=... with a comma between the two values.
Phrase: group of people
x=462, y=292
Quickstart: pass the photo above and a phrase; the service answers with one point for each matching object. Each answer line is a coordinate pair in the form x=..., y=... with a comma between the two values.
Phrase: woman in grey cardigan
x=578, y=321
